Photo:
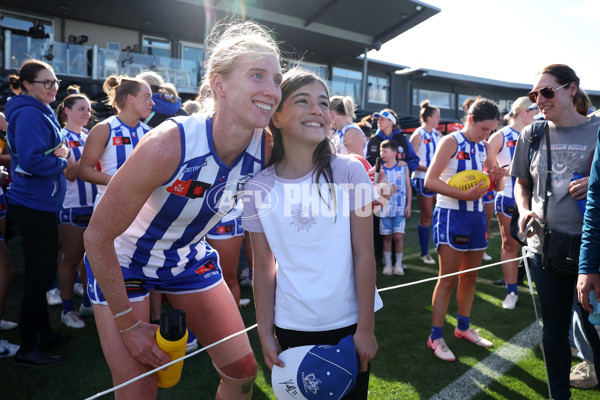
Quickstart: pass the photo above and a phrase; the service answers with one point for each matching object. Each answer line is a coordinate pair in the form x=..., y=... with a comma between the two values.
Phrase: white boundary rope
x=526, y=254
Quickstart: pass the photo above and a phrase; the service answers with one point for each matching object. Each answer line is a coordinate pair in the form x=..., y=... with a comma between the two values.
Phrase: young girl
x=111, y=142
x=424, y=141
x=73, y=115
x=459, y=227
x=312, y=295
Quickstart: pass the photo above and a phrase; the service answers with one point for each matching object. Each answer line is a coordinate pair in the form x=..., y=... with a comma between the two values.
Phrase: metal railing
x=76, y=60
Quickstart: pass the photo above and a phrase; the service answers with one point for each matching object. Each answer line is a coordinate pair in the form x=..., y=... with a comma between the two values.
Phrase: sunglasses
x=547, y=92
x=49, y=84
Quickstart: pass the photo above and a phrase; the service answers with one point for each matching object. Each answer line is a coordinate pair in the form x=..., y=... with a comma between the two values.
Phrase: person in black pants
x=37, y=192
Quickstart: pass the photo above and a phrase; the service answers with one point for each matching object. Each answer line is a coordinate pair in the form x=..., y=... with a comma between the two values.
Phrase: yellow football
x=465, y=180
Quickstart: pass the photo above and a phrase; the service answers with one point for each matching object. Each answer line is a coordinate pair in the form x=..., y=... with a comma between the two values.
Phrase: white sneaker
x=7, y=325
x=583, y=376
x=191, y=346
x=387, y=270
x=85, y=312
x=427, y=259
x=8, y=349
x=440, y=349
x=72, y=320
x=244, y=302
x=510, y=301
x=473, y=337
x=487, y=257
x=53, y=297
x=398, y=271
x=78, y=289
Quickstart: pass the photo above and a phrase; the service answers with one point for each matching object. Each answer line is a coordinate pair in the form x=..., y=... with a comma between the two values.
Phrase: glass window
x=378, y=89
x=346, y=82
x=20, y=23
x=443, y=100
x=156, y=46
x=192, y=56
x=317, y=69
x=505, y=105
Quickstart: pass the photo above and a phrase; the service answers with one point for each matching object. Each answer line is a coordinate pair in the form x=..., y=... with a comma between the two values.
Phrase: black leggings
x=39, y=236
x=288, y=338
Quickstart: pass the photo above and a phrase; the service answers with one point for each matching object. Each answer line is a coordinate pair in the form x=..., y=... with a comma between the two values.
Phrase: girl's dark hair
x=69, y=102
x=427, y=110
x=28, y=72
x=293, y=80
x=565, y=74
x=481, y=109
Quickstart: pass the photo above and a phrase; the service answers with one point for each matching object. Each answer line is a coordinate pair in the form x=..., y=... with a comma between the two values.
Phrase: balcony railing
x=76, y=60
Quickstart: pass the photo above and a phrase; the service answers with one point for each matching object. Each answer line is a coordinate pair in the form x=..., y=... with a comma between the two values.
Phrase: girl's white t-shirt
x=309, y=234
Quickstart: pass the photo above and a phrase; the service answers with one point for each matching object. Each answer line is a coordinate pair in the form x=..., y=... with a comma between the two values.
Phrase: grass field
x=403, y=369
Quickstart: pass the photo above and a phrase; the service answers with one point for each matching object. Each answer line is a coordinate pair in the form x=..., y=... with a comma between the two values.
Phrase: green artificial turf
x=403, y=369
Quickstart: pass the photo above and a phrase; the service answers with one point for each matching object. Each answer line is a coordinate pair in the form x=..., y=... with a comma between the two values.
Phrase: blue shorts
x=226, y=230
x=505, y=205
x=489, y=197
x=461, y=230
x=389, y=225
x=79, y=216
x=204, y=275
x=419, y=185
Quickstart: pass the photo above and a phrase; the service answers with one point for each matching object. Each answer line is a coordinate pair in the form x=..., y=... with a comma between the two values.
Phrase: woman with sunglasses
x=36, y=194
x=573, y=137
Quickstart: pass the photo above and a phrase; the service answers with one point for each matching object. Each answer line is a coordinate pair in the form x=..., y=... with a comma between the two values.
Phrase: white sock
x=388, y=257
x=399, y=259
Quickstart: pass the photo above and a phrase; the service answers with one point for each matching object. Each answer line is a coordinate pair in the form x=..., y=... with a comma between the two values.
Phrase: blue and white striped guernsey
x=468, y=156
x=429, y=141
x=338, y=139
x=505, y=156
x=121, y=142
x=79, y=193
x=167, y=235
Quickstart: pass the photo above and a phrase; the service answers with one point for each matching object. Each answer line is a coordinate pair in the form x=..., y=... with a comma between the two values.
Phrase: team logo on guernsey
x=511, y=143
x=74, y=143
x=426, y=141
x=463, y=155
x=119, y=141
x=209, y=266
x=190, y=189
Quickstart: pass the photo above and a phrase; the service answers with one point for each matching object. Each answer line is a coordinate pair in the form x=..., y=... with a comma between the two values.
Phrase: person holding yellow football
x=459, y=224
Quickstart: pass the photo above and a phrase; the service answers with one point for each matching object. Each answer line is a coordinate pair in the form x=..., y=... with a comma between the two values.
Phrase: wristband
x=120, y=314
x=132, y=327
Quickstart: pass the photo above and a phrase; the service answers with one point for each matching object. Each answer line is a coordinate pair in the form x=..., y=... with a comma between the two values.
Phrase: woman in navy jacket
x=38, y=158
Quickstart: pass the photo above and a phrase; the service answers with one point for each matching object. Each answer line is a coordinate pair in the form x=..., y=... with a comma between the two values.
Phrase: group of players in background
x=153, y=243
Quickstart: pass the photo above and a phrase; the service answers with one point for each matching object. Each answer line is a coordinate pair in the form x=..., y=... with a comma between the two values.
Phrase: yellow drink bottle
x=172, y=339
